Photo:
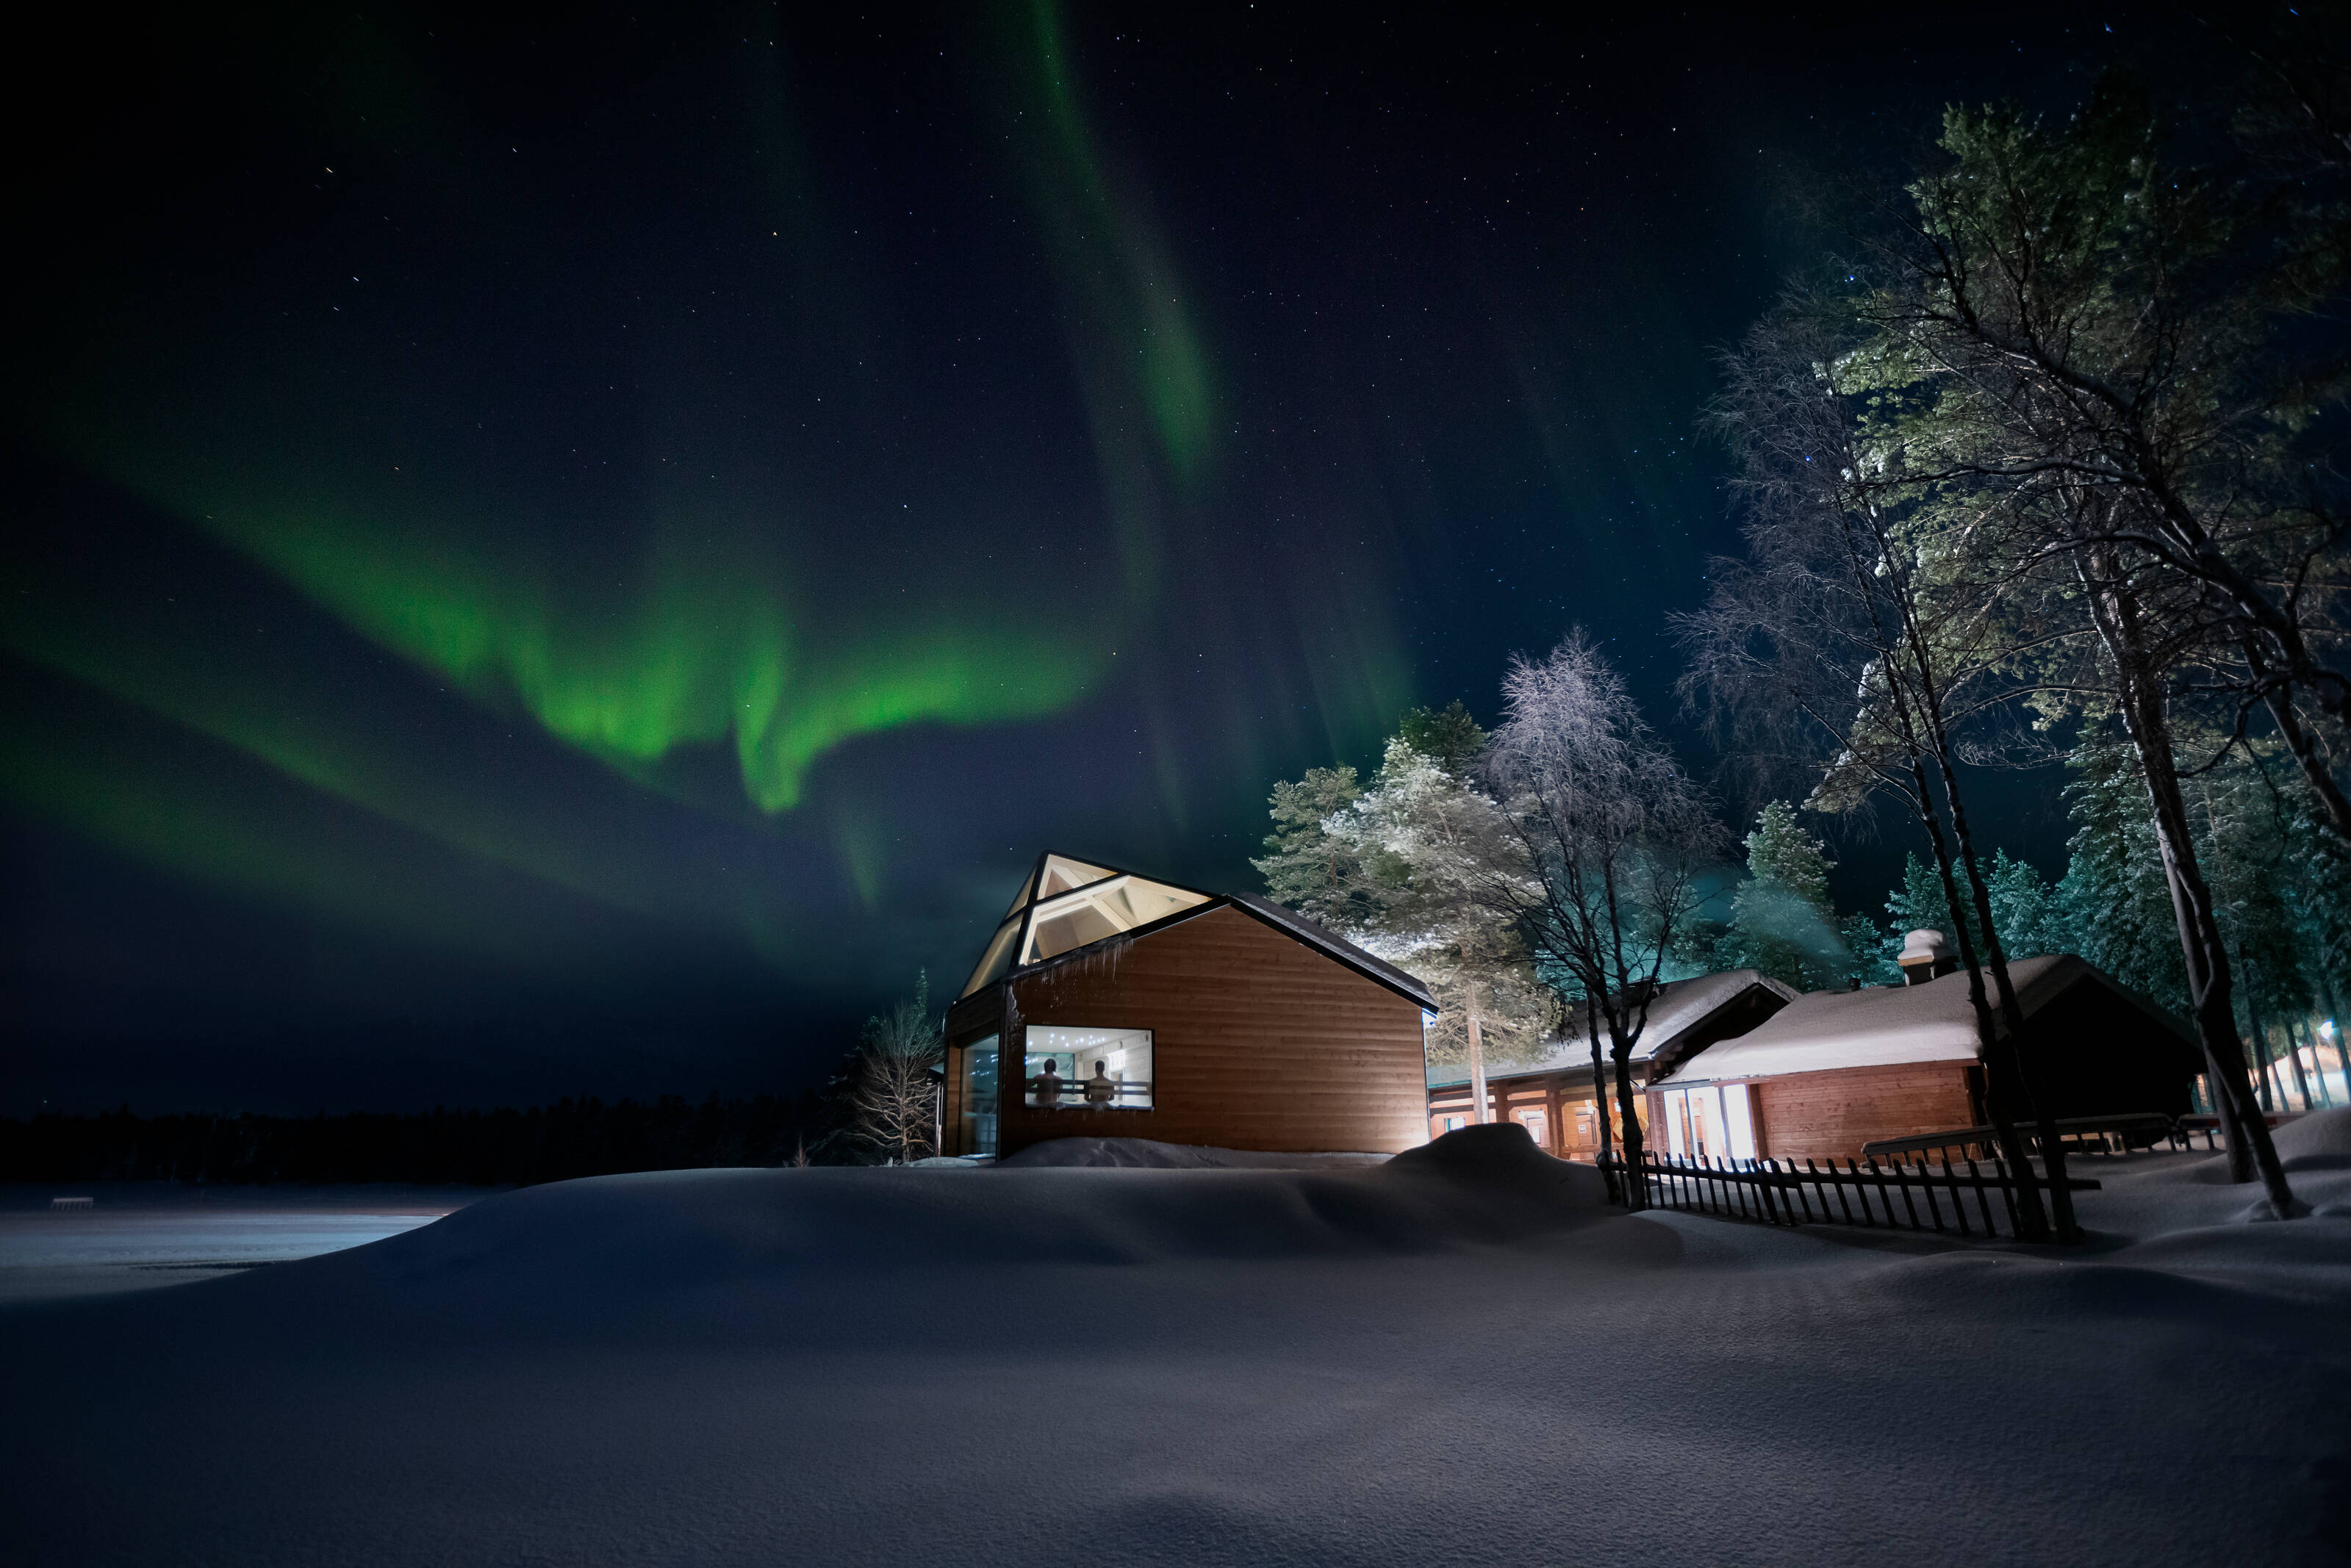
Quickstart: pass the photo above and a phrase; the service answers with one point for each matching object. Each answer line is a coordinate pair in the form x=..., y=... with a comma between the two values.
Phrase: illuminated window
x=1068, y=1067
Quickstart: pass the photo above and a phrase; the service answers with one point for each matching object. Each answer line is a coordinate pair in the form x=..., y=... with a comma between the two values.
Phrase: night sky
x=575, y=554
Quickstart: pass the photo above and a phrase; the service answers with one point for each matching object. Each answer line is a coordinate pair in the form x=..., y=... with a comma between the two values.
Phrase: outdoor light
x=2326, y=1028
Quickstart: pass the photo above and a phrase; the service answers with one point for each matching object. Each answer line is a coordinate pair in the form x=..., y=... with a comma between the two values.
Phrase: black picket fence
x=1885, y=1196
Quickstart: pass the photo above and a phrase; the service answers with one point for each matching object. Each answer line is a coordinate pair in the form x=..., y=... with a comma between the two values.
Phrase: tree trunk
x=2140, y=697
x=2265, y=1082
x=2301, y=1080
x=2317, y=1065
x=2012, y=1011
x=2003, y=1077
x=1476, y=1064
x=1600, y=1097
x=2278, y=698
x=1636, y=1182
x=2003, y=1071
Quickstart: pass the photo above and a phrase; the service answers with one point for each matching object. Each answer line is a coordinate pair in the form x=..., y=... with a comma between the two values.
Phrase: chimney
x=1922, y=957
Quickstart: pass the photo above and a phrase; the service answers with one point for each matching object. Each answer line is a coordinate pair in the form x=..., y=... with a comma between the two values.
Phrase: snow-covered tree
x=2026, y=911
x=1615, y=839
x=1781, y=919
x=1431, y=846
x=892, y=1088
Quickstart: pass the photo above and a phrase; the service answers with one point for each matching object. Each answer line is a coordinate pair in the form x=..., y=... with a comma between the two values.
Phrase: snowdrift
x=1459, y=1355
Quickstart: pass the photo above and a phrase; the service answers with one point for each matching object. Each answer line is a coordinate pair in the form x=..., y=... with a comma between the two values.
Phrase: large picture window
x=1066, y=1067
x=1710, y=1123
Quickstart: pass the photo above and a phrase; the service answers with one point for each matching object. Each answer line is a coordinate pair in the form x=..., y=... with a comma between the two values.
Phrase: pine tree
x=1918, y=905
x=1449, y=738
x=2025, y=909
x=1307, y=870
x=1781, y=920
x=2113, y=897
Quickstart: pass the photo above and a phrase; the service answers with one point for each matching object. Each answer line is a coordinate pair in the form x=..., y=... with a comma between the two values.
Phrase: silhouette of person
x=1046, y=1087
x=1099, y=1090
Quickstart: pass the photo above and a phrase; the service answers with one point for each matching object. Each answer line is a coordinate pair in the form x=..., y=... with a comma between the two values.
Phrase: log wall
x=1823, y=1115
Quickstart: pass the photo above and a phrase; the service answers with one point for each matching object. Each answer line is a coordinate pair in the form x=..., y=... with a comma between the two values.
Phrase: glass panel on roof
x=1071, y=920
x=997, y=959
x=1020, y=897
x=1060, y=875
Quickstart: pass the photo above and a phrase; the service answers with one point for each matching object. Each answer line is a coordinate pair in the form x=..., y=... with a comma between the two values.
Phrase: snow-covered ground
x=1461, y=1356
x=143, y=1236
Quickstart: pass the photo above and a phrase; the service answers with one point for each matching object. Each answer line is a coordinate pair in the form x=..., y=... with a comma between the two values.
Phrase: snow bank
x=1458, y=1356
x=1145, y=1153
x=2320, y=1140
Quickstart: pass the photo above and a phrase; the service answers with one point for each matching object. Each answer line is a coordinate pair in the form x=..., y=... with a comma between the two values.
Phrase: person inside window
x=1046, y=1087
x=1099, y=1090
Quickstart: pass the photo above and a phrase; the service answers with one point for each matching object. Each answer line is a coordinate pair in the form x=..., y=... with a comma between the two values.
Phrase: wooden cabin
x=1553, y=1096
x=1108, y=1004
x=1835, y=1070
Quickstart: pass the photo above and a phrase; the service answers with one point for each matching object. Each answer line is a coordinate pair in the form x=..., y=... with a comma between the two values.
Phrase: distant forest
x=570, y=1138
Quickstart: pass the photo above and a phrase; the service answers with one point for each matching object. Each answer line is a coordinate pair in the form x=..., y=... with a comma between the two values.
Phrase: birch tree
x=894, y=1086
x=1614, y=838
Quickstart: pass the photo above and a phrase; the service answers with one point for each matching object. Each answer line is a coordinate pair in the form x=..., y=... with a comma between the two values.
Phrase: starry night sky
x=574, y=554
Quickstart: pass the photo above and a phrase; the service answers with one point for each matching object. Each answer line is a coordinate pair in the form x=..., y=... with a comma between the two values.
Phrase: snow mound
x=2318, y=1142
x=1145, y=1153
x=1501, y=1157
x=1372, y=1368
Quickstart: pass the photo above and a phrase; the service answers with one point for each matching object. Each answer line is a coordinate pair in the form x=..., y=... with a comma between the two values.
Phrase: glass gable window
x=1066, y=1067
x=998, y=958
x=1102, y=909
x=1066, y=905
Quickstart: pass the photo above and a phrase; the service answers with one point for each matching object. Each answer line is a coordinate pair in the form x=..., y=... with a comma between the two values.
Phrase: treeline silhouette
x=479, y=1148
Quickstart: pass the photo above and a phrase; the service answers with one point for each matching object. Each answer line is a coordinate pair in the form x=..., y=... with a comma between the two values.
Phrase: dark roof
x=1336, y=947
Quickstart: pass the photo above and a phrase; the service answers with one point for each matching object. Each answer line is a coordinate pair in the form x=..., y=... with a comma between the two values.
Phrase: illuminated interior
x=979, y=1088
x=1066, y=903
x=1093, y=1069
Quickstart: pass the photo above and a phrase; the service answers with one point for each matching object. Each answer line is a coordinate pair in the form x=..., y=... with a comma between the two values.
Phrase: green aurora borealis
x=617, y=533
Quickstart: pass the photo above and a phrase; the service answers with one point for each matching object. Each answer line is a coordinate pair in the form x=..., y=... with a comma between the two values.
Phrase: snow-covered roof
x=1890, y=1025
x=1680, y=1007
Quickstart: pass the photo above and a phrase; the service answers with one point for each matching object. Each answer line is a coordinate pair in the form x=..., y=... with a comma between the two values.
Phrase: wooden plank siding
x=1830, y=1114
x=1258, y=1042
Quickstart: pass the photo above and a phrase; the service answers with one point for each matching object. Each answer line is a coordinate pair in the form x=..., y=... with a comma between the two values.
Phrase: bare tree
x=1614, y=836
x=893, y=1089
x=2077, y=317
x=2082, y=335
x=1853, y=644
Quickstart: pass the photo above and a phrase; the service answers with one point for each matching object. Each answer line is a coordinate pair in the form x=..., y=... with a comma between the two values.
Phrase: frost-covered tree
x=1401, y=865
x=1431, y=848
x=2025, y=909
x=892, y=1082
x=1616, y=839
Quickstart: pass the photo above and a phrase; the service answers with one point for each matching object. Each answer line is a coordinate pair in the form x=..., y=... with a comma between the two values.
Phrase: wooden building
x=1835, y=1070
x=1107, y=1005
x=1552, y=1097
